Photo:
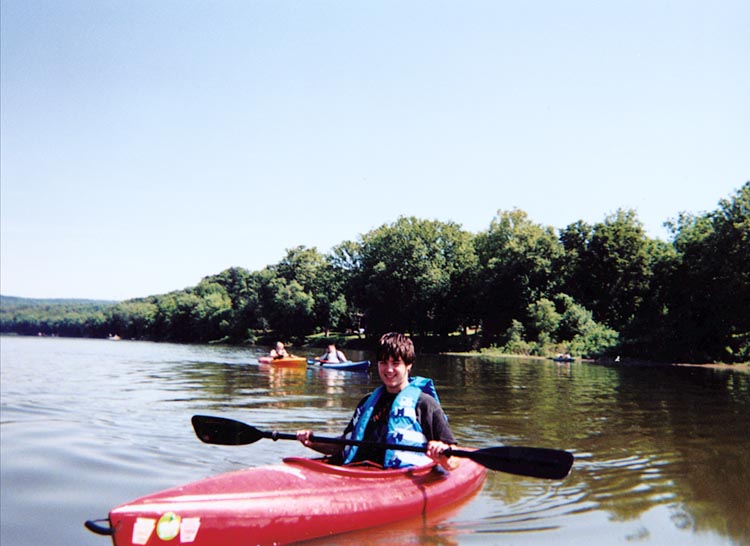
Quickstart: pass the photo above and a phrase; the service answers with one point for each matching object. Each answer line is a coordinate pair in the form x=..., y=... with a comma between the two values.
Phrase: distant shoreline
x=741, y=367
x=744, y=367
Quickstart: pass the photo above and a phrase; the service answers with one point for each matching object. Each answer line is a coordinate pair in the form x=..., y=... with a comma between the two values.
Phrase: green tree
x=518, y=261
x=212, y=315
x=133, y=319
x=301, y=292
x=415, y=276
x=345, y=260
x=291, y=312
x=544, y=319
x=609, y=267
x=243, y=288
x=709, y=294
x=559, y=324
x=331, y=307
x=579, y=332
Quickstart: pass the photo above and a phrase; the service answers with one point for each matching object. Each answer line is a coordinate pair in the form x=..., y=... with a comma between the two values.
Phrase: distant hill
x=10, y=302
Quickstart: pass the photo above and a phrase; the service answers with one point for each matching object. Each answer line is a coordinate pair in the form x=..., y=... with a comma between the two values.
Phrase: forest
x=519, y=287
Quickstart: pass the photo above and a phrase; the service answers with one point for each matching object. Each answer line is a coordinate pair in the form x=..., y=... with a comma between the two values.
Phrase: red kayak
x=297, y=500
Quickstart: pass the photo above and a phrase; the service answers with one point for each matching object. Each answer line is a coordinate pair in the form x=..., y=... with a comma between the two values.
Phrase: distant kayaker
x=403, y=410
x=279, y=351
x=332, y=355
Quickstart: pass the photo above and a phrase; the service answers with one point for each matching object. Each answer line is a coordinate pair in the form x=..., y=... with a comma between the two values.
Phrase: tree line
x=589, y=289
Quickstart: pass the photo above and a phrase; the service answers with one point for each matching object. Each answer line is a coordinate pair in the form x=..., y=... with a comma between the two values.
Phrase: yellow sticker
x=168, y=526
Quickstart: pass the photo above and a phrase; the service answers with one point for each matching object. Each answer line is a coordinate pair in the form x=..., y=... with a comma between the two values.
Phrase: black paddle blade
x=537, y=462
x=225, y=432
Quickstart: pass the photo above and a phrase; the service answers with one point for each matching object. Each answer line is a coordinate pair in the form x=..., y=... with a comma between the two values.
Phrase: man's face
x=394, y=374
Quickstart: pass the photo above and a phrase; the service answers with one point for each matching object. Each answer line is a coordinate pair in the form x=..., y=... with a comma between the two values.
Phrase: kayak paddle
x=536, y=462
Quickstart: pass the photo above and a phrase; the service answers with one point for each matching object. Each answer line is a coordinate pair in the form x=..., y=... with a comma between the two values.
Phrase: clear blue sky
x=147, y=144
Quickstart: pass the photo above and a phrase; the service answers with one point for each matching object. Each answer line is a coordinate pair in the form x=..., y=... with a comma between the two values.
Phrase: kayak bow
x=298, y=500
x=307, y=498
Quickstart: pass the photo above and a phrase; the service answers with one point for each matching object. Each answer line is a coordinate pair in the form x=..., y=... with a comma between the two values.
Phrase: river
x=662, y=453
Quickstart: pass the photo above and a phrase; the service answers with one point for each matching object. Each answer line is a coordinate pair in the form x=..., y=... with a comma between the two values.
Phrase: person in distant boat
x=403, y=410
x=332, y=355
x=279, y=351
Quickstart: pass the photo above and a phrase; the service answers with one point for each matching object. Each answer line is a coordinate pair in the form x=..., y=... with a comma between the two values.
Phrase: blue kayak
x=361, y=366
x=563, y=358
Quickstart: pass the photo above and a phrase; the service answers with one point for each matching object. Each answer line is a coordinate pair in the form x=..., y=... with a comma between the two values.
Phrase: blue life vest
x=403, y=427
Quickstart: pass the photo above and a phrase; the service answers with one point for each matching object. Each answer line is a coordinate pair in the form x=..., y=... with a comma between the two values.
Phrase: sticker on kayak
x=168, y=526
x=142, y=530
x=189, y=529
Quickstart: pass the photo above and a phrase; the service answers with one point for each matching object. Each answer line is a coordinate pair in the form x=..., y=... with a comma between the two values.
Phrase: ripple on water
x=522, y=505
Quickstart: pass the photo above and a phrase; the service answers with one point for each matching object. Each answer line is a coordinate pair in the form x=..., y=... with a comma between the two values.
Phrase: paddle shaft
x=275, y=435
x=524, y=461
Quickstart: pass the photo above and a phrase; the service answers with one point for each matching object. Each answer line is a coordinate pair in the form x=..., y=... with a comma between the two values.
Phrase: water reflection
x=285, y=384
x=645, y=439
x=334, y=382
x=662, y=454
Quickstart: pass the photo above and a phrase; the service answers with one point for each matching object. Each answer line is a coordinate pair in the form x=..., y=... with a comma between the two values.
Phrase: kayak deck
x=297, y=500
x=286, y=361
x=349, y=366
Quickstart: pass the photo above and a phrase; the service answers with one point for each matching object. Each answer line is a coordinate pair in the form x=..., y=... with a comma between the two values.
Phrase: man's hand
x=436, y=451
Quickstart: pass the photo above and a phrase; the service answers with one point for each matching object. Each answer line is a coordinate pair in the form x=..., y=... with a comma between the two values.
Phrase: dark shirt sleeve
x=433, y=421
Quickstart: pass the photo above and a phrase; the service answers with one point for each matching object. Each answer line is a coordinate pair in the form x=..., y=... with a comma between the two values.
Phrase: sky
x=145, y=145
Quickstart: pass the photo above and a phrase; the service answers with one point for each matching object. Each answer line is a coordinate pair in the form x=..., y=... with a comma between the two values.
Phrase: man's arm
x=437, y=431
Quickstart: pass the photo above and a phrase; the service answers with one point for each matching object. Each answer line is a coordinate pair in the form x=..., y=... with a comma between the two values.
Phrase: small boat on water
x=299, y=499
x=285, y=361
x=361, y=366
x=302, y=499
x=563, y=358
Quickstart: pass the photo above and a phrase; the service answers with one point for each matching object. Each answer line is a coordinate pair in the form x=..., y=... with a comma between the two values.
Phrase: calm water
x=662, y=454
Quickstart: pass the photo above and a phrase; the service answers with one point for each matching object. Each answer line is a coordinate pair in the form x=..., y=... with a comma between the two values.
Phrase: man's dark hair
x=396, y=345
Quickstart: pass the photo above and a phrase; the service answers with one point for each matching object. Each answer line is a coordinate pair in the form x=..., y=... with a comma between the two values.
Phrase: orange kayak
x=286, y=361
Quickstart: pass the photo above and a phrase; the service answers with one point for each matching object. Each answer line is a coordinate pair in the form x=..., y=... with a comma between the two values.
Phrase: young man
x=403, y=410
x=332, y=355
x=279, y=351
